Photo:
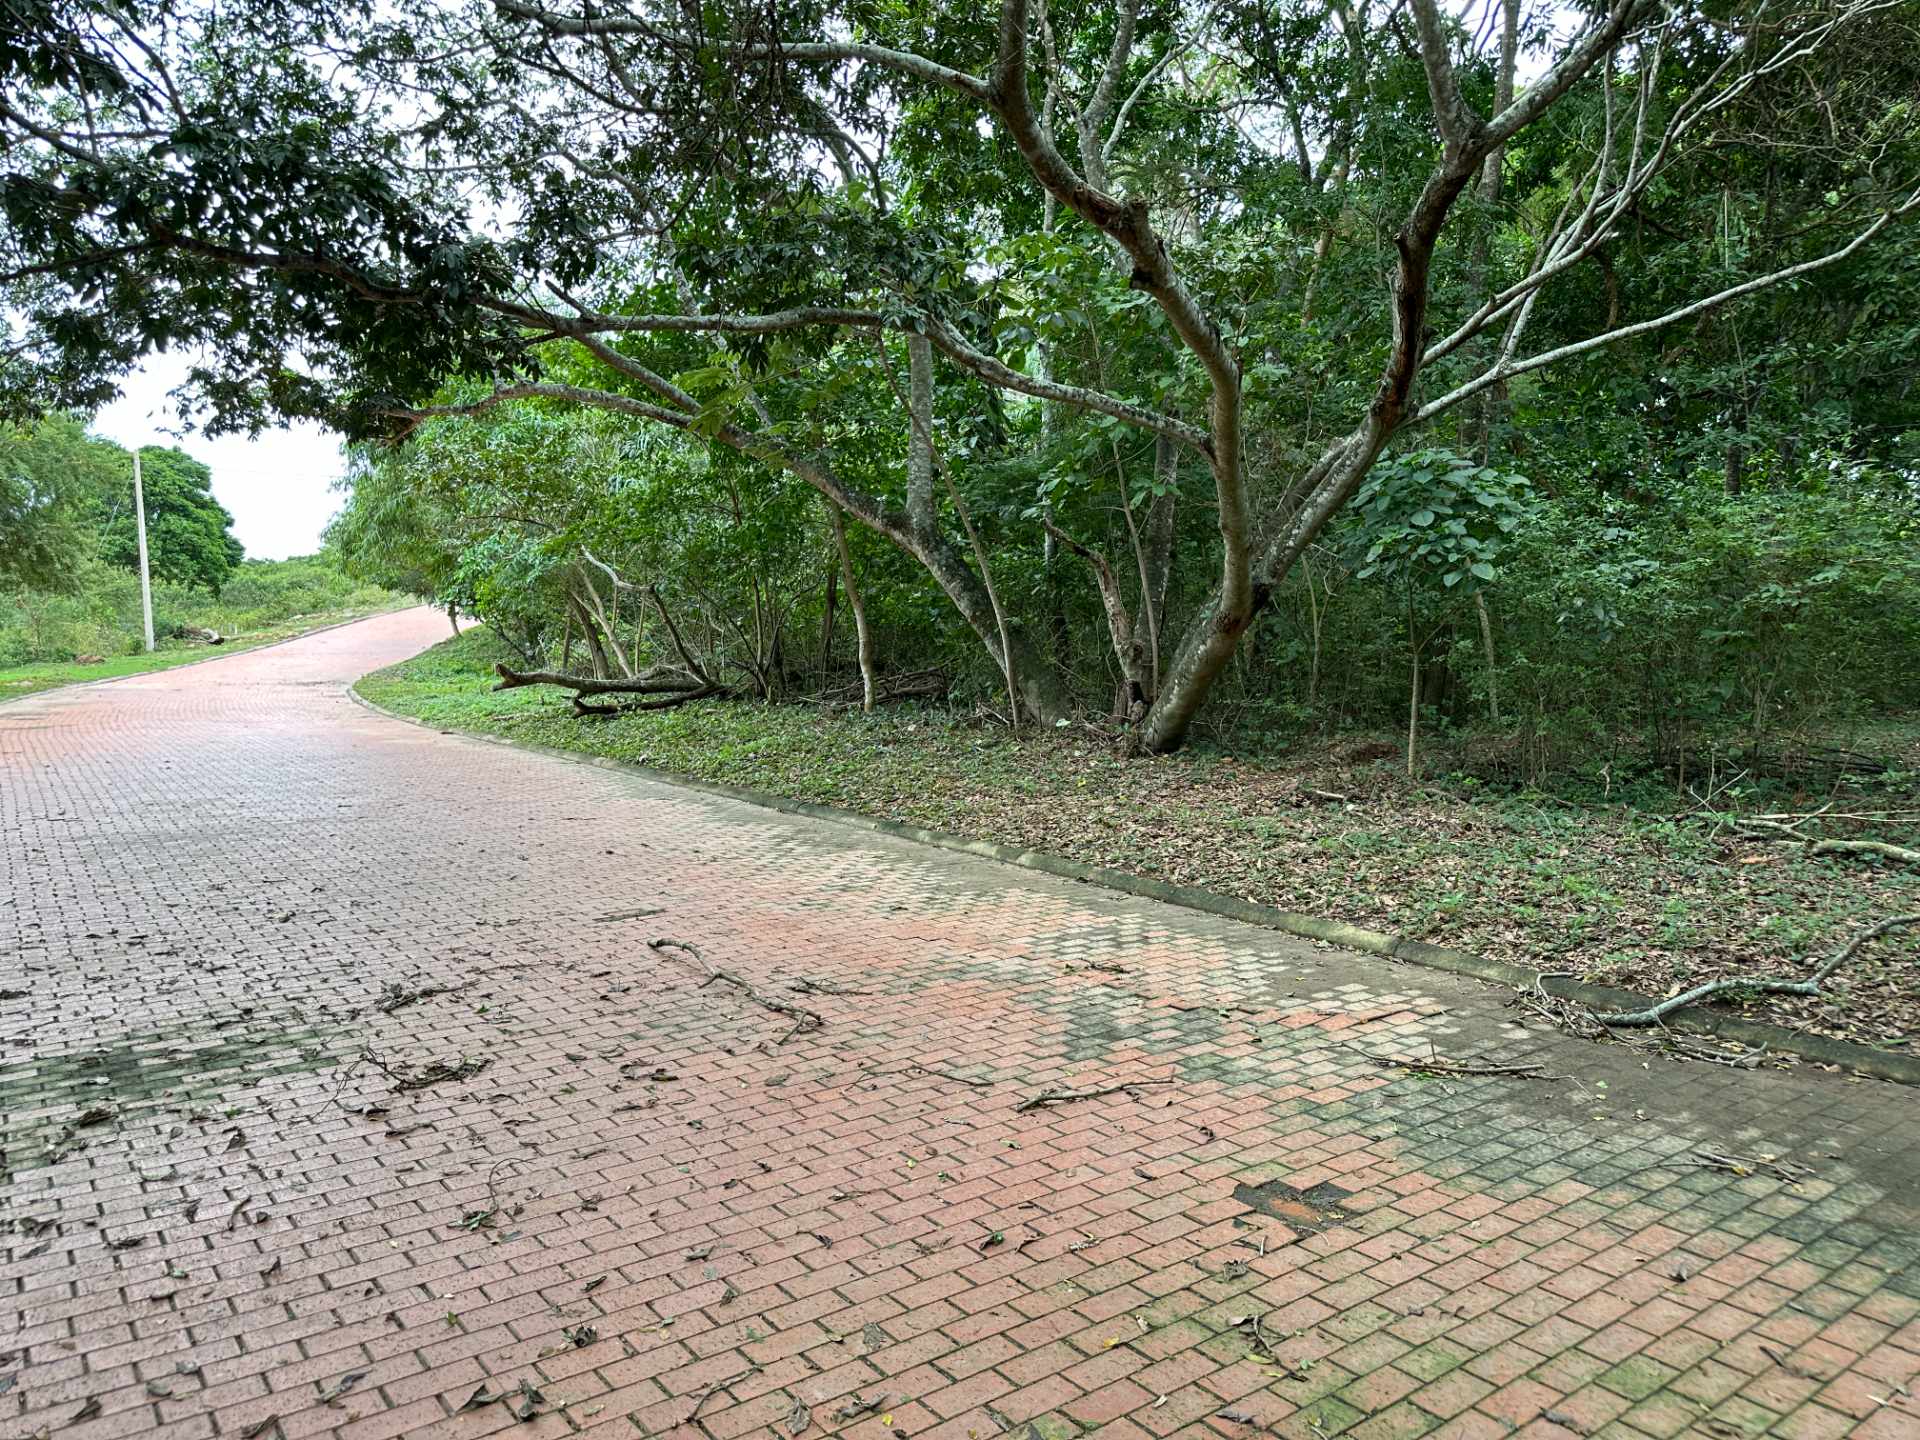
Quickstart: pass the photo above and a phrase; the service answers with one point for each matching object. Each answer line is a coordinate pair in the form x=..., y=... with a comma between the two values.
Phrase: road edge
x=1821, y=1049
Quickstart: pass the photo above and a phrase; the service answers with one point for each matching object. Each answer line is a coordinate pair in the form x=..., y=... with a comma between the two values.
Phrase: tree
x=189, y=539
x=52, y=478
x=711, y=217
x=1436, y=524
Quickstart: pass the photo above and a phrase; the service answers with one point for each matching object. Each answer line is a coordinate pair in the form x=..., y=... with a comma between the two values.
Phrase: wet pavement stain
x=50, y=1104
x=1305, y=1212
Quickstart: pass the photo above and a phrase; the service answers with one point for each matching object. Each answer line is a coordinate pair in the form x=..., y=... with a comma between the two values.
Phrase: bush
x=1620, y=628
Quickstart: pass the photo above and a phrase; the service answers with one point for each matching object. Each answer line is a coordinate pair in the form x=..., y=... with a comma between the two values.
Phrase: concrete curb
x=221, y=653
x=1861, y=1059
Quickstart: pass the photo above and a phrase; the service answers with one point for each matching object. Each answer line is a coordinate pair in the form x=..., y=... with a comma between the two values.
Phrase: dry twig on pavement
x=1062, y=1097
x=804, y=1020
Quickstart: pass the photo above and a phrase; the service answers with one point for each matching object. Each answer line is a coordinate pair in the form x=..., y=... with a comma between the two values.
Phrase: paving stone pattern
x=241, y=1201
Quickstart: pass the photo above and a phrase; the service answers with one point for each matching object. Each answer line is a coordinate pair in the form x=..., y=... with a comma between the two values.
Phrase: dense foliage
x=66, y=499
x=189, y=539
x=1245, y=365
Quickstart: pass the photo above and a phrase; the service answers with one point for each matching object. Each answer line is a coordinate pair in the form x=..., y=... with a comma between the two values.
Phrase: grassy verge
x=51, y=674
x=1627, y=894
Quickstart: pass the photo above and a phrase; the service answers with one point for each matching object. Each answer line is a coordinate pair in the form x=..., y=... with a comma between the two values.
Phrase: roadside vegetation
x=1618, y=879
x=266, y=601
x=1505, y=419
x=69, y=576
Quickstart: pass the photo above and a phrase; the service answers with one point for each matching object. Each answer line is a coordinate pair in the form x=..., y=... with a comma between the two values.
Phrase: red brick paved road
x=655, y=1212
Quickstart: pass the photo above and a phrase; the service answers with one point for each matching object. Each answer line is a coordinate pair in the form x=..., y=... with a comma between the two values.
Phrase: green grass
x=29, y=679
x=1632, y=894
x=41, y=635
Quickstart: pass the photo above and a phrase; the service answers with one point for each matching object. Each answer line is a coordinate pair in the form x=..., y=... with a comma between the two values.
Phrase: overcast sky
x=279, y=486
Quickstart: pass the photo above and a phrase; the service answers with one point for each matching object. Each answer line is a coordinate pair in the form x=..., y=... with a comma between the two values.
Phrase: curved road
x=342, y=1094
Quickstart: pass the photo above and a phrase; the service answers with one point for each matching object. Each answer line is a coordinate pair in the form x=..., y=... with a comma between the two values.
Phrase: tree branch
x=1508, y=369
x=1762, y=985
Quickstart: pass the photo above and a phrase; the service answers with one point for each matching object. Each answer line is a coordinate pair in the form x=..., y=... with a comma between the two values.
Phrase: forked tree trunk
x=591, y=632
x=1029, y=683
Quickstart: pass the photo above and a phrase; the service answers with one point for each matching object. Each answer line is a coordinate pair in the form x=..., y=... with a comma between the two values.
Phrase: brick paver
x=653, y=1210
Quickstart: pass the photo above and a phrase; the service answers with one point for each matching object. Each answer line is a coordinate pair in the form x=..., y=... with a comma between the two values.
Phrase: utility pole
x=140, y=529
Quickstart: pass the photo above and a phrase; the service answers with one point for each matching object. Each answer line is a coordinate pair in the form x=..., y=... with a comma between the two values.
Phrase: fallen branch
x=1688, y=1048
x=807, y=985
x=434, y=1072
x=1756, y=984
x=397, y=996
x=1785, y=829
x=1563, y=1014
x=977, y=1084
x=1744, y=1165
x=805, y=1021
x=1062, y=1097
x=856, y=1407
x=659, y=681
x=1524, y=1070
x=1865, y=847
x=634, y=707
x=671, y=685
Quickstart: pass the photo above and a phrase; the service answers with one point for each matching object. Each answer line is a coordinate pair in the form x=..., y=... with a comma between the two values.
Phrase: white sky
x=278, y=486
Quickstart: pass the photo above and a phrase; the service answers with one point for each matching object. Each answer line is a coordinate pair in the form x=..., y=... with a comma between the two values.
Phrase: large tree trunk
x=1320, y=494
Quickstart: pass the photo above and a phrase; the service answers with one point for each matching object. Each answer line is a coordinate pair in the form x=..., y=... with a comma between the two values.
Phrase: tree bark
x=1126, y=642
x=1413, y=712
x=595, y=649
x=1486, y=641
x=859, y=609
x=923, y=459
